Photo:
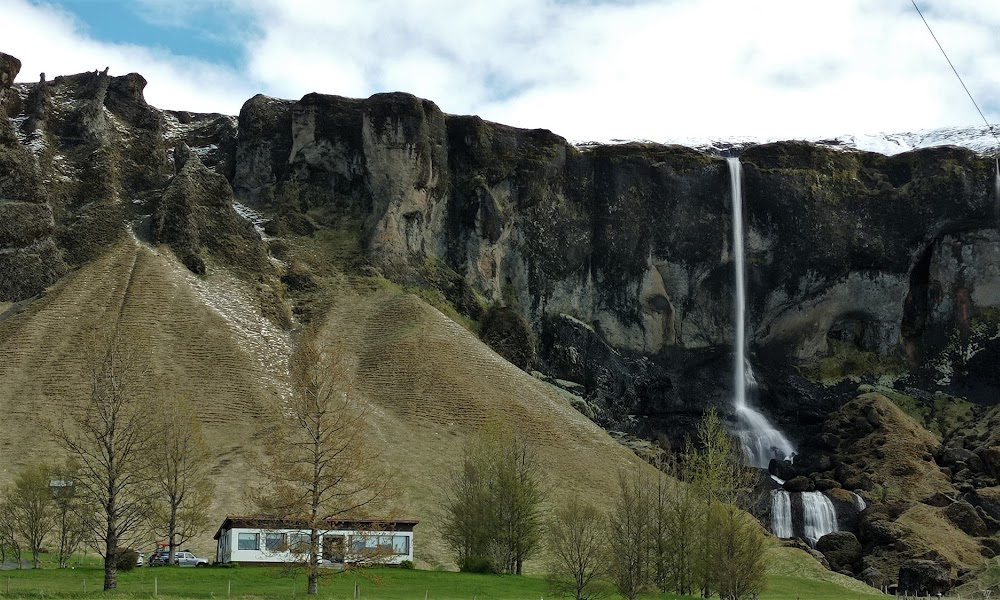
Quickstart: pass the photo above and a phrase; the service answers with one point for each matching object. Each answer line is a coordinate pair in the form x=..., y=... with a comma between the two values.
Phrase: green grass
x=794, y=574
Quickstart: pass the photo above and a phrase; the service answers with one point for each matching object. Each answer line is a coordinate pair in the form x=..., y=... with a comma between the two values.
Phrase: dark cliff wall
x=620, y=256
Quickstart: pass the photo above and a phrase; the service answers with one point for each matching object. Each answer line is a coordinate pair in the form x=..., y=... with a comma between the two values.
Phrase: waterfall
x=761, y=440
x=996, y=194
x=818, y=516
x=781, y=514
x=859, y=502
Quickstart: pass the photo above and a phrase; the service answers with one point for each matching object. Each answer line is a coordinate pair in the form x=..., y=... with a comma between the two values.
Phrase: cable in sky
x=955, y=71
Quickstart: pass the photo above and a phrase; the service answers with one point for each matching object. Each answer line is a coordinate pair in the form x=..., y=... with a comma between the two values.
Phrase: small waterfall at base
x=781, y=514
x=761, y=440
x=859, y=502
x=818, y=516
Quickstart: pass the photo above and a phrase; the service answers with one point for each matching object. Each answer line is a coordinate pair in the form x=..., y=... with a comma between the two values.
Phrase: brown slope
x=430, y=384
x=185, y=346
x=428, y=381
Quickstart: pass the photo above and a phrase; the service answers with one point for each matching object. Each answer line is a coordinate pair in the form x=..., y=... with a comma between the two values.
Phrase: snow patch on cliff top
x=976, y=138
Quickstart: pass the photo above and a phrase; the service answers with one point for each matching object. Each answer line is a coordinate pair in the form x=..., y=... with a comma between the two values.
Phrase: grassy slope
x=428, y=381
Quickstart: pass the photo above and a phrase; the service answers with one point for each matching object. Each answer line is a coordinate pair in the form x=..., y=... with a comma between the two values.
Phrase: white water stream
x=761, y=440
x=781, y=514
x=818, y=516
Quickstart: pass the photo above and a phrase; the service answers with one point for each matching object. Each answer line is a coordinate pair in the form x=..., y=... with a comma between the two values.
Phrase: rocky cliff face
x=621, y=255
x=618, y=256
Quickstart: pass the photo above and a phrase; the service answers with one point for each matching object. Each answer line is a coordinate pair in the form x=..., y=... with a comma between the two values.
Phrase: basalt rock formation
x=608, y=270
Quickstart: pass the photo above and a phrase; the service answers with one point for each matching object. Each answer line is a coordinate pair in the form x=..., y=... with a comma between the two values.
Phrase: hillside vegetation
x=428, y=382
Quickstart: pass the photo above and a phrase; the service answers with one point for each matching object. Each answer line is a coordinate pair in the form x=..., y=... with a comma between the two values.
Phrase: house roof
x=265, y=522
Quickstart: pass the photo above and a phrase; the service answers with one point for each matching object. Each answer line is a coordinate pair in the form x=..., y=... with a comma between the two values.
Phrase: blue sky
x=208, y=33
x=662, y=70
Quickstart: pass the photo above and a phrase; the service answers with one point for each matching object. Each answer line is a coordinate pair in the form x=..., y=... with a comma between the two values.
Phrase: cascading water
x=761, y=440
x=859, y=503
x=781, y=514
x=996, y=194
x=818, y=516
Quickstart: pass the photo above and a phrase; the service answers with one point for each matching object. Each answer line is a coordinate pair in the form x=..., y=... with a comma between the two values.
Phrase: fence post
x=229, y=590
x=156, y=585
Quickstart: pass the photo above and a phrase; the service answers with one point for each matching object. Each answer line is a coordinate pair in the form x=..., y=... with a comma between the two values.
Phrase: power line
x=954, y=70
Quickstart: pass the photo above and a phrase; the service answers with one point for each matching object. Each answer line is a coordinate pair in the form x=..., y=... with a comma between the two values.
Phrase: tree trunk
x=35, y=560
x=172, y=530
x=111, y=561
x=312, y=565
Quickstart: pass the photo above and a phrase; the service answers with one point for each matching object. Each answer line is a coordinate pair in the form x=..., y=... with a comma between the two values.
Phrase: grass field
x=793, y=575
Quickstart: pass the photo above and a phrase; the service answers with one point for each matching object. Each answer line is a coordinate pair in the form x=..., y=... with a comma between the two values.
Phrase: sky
x=661, y=70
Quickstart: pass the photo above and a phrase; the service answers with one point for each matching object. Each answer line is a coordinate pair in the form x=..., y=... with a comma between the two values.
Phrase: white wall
x=228, y=545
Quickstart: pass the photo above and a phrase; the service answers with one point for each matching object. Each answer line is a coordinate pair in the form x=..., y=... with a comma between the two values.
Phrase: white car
x=183, y=558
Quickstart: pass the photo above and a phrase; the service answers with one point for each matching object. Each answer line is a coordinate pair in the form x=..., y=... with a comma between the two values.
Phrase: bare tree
x=108, y=439
x=10, y=541
x=181, y=471
x=31, y=508
x=318, y=458
x=680, y=514
x=577, y=540
x=630, y=527
x=72, y=516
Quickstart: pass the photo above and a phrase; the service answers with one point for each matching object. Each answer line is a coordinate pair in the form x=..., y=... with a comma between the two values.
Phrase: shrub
x=126, y=559
x=406, y=564
x=477, y=564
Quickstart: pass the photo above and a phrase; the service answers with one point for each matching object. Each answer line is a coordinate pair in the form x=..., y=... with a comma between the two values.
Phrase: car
x=186, y=558
x=138, y=559
x=159, y=558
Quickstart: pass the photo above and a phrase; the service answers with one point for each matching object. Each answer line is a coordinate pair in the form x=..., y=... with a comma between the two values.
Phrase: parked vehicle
x=185, y=558
x=159, y=558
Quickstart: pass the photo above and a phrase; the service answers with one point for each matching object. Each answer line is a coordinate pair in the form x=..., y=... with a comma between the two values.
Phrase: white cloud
x=587, y=70
x=50, y=40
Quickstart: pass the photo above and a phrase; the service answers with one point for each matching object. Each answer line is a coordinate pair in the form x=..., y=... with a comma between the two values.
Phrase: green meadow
x=793, y=575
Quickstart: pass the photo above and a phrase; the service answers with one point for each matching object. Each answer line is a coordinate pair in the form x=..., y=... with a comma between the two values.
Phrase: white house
x=255, y=539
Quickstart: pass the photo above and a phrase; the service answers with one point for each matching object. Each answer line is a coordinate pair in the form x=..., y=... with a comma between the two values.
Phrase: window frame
x=280, y=546
x=256, y=540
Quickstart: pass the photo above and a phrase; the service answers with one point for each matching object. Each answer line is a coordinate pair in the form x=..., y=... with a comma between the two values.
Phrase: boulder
x=990, y=457
x=829, y=441
x=965, y=517
x=841, y=549
x=824, y=484
x=950, y=456
x=881, y=532
x=800, y=483
x=782, y=469
x=874, y=578
x=919, y=577
x=939, y=499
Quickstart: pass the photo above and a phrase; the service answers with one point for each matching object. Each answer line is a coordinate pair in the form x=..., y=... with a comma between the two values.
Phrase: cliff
x=607, y=271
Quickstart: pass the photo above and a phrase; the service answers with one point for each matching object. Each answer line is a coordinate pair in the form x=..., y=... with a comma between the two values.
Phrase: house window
x=248, y=541
x=274, y=542
x=400, y=544
x=379, y=545
x=298, y=543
